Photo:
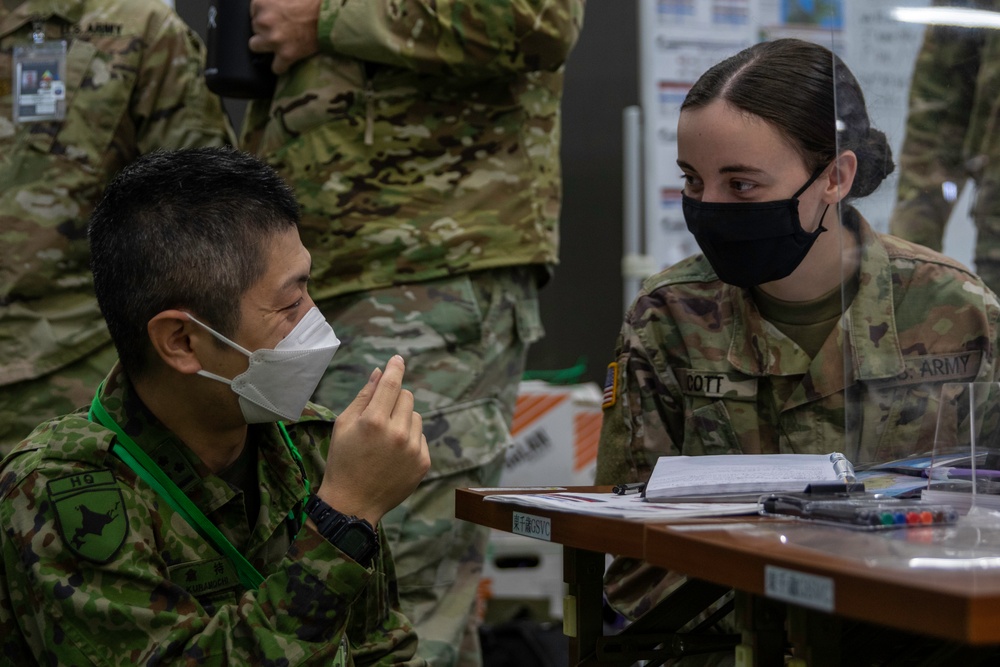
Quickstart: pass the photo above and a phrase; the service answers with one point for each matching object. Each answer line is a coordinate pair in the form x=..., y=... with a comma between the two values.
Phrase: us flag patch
x=610, y=386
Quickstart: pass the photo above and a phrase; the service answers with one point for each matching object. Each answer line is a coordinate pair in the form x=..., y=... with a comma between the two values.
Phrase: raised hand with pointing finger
x=379, y=453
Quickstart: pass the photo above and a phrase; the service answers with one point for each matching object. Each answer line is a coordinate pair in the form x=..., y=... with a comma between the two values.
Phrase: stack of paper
x=707, y=478
x=628, y=507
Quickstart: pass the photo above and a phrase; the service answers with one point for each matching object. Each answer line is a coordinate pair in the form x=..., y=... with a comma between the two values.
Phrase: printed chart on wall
x=680, y=39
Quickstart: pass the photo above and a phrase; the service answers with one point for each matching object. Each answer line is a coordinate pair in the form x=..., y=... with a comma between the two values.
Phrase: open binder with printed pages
x=732, y=477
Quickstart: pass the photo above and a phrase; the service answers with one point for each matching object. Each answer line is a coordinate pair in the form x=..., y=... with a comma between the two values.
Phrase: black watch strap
x=354, y=536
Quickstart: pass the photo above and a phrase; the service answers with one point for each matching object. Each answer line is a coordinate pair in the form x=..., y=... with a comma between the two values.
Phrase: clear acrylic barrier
x=910, y=367
x=924, y=67
x=965, y=466
x=908, y=327
x=916, y=370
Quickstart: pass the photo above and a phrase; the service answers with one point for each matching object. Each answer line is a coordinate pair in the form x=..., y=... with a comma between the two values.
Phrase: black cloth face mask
x=751, y=243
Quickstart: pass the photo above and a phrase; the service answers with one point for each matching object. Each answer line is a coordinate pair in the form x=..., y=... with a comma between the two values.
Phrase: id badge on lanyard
x=39, y=80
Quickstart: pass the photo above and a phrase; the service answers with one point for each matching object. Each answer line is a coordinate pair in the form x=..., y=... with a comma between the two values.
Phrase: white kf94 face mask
x=278, y=383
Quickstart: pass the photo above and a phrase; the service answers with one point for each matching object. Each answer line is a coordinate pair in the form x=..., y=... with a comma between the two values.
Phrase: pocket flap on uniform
x=465, y=435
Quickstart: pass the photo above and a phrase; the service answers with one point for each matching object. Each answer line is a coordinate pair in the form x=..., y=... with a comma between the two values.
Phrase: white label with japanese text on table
x=805, y=590
x=528, y=525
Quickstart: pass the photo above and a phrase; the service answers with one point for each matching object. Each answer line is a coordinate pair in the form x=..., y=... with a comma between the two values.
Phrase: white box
x=522, y=568
x=555, y=433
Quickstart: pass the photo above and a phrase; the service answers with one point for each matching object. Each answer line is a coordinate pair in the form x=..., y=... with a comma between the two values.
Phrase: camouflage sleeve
x=644, y=419
x=615, y=463
x=383, y=635
x=476, y=40
x=941, y=101
x=126, y=611
x=173, y=108
x=12, y=644
x=379, y=633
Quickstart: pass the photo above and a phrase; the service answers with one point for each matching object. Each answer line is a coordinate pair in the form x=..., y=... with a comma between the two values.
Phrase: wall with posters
x=680, y=39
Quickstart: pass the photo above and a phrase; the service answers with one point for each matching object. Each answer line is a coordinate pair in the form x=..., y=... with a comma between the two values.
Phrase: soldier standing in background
x=100, y=83
x=422, y=140
x=951, y=136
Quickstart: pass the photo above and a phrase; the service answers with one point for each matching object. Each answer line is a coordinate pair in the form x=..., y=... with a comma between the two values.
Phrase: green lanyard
x=128, y=451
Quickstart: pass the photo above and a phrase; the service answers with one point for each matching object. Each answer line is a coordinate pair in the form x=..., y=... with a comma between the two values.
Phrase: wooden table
x=941, y=582
x=585, y=541
x=817, y=574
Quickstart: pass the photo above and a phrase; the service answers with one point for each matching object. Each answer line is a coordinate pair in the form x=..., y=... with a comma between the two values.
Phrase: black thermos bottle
x=231, y=69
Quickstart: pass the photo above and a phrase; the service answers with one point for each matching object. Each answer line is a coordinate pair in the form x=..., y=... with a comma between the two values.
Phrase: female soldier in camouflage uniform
x=799, y=329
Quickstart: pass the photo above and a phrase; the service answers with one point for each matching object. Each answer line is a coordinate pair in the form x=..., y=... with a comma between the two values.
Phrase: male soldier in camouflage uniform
x=422, y=140
x=133, y=83
x=102, y=564
x=951, y=136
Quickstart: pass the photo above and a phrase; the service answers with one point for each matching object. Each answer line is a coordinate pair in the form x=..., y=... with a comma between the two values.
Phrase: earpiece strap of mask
x=812, y=179
x=132, y=455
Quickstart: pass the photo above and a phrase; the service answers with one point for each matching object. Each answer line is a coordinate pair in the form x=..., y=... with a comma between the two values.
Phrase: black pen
x=626, y=489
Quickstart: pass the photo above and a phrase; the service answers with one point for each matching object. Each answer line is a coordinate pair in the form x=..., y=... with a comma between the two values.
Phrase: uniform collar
x=278, y=473
x=179, y=463
x=873, y=339
x=759, y=349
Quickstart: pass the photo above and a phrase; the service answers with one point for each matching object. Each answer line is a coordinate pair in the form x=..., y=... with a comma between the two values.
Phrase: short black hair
x=183, y=229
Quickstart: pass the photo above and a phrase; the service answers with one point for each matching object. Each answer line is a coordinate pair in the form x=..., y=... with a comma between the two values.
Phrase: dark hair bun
x=874, y=163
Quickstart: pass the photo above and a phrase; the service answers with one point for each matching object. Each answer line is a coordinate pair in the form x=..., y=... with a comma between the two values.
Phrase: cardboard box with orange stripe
x=555, y=433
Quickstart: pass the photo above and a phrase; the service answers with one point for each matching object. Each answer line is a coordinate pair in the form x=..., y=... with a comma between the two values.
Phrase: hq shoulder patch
x=90, y=513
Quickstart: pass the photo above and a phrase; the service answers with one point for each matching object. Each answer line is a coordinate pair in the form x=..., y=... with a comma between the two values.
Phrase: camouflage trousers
x=464, y=340
x=26, y=404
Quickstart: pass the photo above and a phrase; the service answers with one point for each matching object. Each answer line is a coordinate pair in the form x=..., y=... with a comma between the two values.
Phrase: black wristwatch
x=354, y=536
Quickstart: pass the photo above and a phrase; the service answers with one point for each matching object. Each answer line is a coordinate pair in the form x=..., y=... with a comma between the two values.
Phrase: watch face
x=354, y=540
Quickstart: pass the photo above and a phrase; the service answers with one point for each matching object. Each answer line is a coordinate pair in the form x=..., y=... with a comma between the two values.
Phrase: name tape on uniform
x=941, y=368
x=715, y=385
